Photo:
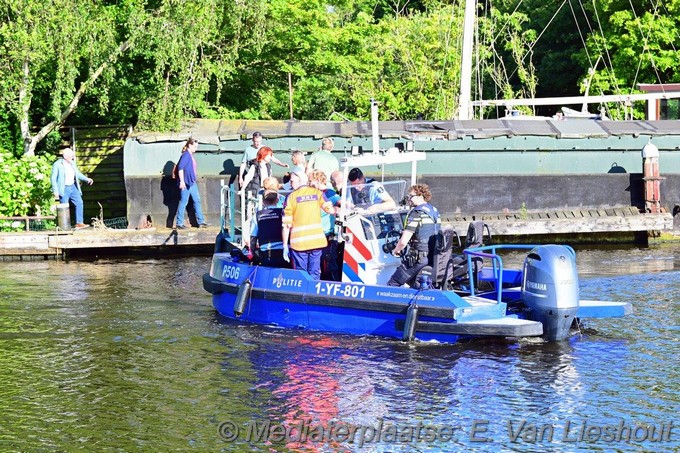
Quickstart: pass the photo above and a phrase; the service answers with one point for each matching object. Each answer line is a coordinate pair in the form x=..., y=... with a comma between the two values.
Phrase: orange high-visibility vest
x=303, y=213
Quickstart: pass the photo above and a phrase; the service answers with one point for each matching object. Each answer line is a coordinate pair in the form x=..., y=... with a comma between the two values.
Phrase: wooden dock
x=576, y=226
x=615, y=220
x=59, y=244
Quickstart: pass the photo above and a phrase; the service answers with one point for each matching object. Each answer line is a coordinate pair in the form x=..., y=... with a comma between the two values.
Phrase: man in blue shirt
x=369, y=196
x=65, y=181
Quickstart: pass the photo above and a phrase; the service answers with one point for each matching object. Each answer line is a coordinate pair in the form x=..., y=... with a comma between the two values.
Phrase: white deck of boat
x=476, y=301
x=505, y=321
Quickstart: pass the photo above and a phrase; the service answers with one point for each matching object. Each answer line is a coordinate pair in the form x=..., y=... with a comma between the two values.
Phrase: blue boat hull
x=291, y=299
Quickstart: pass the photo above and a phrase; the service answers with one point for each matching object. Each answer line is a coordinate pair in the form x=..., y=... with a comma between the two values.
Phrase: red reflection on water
x=311, y=392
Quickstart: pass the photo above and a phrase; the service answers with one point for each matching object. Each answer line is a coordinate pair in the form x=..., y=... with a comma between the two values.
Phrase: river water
x=129, y=355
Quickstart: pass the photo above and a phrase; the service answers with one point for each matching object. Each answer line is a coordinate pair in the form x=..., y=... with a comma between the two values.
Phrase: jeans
x=72, y=194
x=309, y=260
x=330, y=268
x=191, y=191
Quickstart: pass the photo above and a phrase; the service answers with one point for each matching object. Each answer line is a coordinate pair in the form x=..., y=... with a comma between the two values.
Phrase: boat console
x=369, y=241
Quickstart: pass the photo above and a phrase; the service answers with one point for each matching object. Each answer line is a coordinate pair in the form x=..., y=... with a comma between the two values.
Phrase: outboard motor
x=550, y=288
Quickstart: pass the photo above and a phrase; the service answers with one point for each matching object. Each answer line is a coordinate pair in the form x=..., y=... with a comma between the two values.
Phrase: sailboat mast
x=464, y=103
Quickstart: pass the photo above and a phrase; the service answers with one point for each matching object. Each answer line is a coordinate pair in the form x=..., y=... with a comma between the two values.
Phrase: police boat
x=466, y=294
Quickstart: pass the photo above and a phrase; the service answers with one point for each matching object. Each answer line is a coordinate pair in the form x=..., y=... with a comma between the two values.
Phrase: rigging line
x=606, y=50
x=478, y=69
x=445, y=62
x=656, y=7
x=645, y=44
x=548, y=24
x=497, y=70
x=486, y=66
x=585, y=16
x=531, y=47
x=592, y=31
x=580, y=34
x=658, y=13
x=505, y=24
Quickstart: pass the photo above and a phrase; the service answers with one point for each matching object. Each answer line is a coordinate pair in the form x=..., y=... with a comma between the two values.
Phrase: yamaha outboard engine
x=550, y=288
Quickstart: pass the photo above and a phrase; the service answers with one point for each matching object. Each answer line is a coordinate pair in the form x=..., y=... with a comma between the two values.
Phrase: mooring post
x=650, y=175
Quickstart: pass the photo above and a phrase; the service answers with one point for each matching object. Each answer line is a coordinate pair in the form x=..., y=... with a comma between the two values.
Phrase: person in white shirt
x=250, y=153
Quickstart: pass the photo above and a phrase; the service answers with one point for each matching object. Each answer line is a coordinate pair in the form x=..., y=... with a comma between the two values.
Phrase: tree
x=635, y=45
x=60, y=46
x=161, y=59
x=190, y=54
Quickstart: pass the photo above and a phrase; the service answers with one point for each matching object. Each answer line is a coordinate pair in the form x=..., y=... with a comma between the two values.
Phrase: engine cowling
x=550, y=288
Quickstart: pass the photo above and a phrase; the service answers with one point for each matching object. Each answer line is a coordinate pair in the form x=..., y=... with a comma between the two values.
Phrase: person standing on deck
x=259, y=169
x=65, y=179
x=303, y=236
x=266, y=238
x=323, y=159
x=272, y=184
x=250, y=153
x=329, y=256
x=422, y=222
x=297, y=157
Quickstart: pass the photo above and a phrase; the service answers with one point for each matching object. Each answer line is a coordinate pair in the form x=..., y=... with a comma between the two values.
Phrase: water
x=117, y=355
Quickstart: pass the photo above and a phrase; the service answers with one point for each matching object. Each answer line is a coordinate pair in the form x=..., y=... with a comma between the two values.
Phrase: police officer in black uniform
x=266, y=239
x=422, y=222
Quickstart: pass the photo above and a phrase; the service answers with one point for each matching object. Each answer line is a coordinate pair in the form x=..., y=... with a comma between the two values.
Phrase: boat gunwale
x=211, y=284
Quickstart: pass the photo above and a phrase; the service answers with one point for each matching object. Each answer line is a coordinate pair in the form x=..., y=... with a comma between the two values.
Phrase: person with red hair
x=250, y=153
x=258, y=170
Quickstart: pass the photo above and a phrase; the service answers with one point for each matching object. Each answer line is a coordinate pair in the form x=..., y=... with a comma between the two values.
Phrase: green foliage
x=226, y=59
x=417, y=69
x=24, y=187
x=189, y=52
x=636, y=46
x=340, y=57
x=523, y=211
x=10, y=138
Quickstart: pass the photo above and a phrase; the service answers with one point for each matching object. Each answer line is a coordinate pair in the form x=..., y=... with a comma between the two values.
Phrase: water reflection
x=130, y=355
x=634, y=260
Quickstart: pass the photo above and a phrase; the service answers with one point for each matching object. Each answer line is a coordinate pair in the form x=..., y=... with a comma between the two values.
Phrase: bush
x=24, y=188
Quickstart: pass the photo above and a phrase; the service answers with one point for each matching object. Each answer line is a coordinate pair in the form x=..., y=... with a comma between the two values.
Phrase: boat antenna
x=374, y=126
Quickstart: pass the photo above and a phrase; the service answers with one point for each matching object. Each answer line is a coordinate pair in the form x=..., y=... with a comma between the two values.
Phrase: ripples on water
x=130, y=356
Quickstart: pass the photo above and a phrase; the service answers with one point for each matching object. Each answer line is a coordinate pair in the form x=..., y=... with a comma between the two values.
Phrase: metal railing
x=27, y=219
x=489, y=252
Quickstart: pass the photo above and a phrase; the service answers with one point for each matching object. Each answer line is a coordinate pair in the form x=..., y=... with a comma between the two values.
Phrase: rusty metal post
x=651, y=178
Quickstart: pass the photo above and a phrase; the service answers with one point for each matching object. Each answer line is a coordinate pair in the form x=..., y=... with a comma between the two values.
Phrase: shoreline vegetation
x=72, y=64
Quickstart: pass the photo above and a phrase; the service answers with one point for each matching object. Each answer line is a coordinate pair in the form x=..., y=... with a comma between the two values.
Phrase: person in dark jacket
x=422, y=222
x=266, y=237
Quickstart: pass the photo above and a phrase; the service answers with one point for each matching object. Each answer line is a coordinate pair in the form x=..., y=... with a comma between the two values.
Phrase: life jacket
x=303, y=214
x=255, y=183
x=269, y=236
x=429, y=225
